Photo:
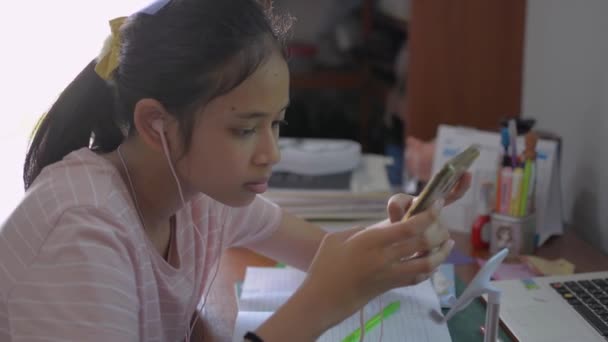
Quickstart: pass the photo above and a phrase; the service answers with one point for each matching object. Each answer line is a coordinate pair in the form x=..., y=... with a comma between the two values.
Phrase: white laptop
x=571, y=308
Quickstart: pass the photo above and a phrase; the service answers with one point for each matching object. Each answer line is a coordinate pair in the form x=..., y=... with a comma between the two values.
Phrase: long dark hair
x=183, y=56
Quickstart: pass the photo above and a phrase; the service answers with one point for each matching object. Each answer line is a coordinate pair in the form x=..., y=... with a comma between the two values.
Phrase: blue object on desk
x=395, y=170
x=444, y=281
x=456, y=257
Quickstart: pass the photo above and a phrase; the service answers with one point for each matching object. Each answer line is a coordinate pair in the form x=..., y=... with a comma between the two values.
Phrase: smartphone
x=443, y=182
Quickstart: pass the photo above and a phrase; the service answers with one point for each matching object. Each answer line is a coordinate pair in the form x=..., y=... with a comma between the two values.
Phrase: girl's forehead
x=265, y=90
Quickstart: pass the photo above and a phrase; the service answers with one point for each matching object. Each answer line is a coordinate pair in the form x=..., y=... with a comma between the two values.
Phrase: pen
x=513, y=137
x=374, y=321
x=504, y=140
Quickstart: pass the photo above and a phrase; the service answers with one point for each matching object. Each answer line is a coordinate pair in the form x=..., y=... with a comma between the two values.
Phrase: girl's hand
x=354, y=266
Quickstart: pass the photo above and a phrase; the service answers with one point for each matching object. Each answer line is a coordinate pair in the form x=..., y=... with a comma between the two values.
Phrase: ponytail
x=84, y=110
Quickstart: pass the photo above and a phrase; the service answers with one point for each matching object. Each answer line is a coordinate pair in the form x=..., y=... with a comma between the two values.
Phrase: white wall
x=44, y=46
x=566, y=89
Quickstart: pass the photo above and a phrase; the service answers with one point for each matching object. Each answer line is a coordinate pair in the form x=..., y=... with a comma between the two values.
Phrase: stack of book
x=323, y=179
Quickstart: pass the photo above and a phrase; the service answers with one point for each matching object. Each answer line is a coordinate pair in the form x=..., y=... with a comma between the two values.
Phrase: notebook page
x=267, y=288
x=411, y=323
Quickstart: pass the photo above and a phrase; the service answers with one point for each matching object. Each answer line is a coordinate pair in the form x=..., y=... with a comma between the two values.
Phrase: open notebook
x=266, y=288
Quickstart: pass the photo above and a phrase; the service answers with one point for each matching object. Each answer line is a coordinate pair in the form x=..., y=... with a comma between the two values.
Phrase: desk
x=221, y=310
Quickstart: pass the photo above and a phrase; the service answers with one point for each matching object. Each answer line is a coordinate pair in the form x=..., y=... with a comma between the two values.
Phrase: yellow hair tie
x=108, y=60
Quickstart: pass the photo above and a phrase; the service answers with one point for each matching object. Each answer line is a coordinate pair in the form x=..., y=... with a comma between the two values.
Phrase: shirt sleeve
x=253, y=223
x=80, y=287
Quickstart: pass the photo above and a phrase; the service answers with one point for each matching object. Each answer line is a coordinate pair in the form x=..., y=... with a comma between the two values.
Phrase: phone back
x=444, y=181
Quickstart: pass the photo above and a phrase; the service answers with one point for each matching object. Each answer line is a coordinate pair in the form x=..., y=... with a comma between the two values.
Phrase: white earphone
x=158, y=126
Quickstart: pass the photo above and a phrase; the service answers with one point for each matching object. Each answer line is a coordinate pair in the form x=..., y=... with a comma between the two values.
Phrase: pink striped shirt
x=75, y=263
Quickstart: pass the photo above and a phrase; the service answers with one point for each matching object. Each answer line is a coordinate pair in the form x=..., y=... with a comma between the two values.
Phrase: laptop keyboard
x=589, y=298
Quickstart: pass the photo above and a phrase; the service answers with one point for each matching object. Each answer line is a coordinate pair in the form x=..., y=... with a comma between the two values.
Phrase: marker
x=516, y=191
x=525, y=192
x=374, y=321
x=498, y=190
x=530, y=154
x=531, y=188
x=506, y=180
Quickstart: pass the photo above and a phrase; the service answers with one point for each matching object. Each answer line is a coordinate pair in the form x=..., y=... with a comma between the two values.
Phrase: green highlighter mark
x=388, y=310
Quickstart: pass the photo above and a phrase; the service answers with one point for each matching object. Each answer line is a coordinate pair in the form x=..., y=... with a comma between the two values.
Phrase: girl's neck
x=151, y=183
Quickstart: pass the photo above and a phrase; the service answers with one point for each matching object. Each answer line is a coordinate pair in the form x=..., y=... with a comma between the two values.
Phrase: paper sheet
x=265, y=289
x=410, y=323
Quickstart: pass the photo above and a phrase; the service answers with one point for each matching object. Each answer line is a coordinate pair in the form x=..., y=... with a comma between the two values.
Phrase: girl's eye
x=279, y=123
x=247, y=132
x=244, y=132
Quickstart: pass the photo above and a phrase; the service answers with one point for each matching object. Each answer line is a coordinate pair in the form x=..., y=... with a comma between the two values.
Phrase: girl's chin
x=242, y=199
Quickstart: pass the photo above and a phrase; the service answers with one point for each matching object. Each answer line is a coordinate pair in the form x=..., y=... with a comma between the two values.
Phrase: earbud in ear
x=158, y=126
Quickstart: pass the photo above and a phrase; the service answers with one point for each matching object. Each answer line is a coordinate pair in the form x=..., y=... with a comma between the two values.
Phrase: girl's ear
x=149, y=117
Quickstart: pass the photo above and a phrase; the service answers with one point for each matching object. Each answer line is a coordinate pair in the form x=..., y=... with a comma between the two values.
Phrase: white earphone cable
x=181, y=195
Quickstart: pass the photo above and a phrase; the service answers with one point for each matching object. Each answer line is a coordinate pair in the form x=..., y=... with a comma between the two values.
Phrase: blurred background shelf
x=331, y=78
x=462, y=65
x=342, y=54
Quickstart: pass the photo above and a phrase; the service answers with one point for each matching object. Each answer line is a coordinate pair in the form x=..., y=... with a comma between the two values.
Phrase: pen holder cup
x=516, y=233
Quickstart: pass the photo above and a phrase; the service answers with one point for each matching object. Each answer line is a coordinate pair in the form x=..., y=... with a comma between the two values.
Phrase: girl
x=151, y=163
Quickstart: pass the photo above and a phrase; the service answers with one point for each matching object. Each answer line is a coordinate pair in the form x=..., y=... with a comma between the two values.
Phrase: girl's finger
x=423, y=265
x=384, y=236
x=423, y=244
x=397, y=206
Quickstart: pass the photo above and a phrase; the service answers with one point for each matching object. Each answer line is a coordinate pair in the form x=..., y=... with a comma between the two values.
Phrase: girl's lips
x=258, y=188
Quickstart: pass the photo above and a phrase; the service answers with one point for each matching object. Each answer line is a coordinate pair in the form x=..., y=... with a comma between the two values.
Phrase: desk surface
x=220, y=311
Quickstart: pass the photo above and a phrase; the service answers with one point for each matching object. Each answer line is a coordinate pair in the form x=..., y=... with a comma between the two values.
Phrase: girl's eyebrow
x=256, y=115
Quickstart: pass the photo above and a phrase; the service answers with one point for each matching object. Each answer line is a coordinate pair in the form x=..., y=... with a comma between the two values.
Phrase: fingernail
x=450, y=243
x=437, y=206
